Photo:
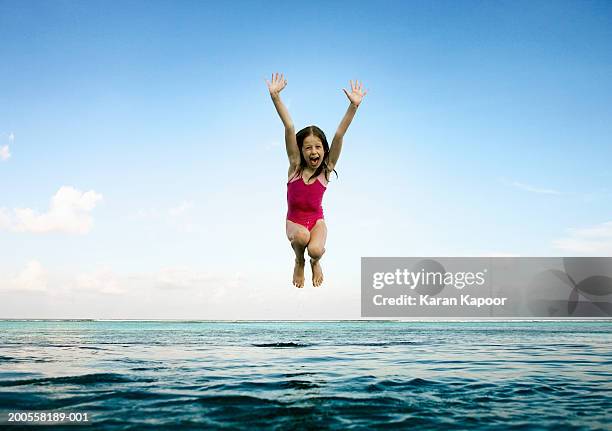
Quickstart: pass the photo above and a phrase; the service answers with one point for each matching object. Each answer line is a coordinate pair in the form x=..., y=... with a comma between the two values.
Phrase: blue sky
x=485, y=131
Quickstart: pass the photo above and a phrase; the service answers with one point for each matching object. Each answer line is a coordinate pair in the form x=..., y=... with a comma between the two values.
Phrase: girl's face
x=312, y=151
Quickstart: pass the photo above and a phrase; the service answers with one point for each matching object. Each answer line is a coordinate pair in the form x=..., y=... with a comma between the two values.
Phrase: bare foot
x=298, y=273
x=317, y=273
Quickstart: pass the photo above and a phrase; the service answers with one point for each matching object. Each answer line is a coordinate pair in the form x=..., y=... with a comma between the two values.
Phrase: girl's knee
x=300, y=238
x=316, y=251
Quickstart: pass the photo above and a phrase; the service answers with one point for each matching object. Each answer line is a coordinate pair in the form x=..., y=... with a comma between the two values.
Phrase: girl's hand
x=357, y=93
x=277, y=84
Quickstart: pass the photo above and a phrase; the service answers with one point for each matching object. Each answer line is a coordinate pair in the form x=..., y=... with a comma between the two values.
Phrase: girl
x=310, y=162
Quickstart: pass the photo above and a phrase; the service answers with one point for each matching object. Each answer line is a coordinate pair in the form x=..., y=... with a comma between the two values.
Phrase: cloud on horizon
x=33, y=278
x=173, y=292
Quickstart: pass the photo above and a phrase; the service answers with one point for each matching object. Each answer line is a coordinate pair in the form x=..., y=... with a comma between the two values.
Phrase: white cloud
x=33, y=278
x=530, y=188
x=594, y=240
x=68, y=212
x=11, y=137
x=4, y=152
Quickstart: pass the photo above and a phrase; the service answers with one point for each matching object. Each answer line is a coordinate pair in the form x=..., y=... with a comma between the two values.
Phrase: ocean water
x=311, y=375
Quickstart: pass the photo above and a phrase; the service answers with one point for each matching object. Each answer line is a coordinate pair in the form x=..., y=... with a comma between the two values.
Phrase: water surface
x=312, y=375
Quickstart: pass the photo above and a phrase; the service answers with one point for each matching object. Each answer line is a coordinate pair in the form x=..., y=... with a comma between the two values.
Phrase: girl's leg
x=316, y=248
x=299, y=236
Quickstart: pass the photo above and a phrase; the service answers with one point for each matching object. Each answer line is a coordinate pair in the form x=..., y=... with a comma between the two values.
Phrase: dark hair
x=303, y=134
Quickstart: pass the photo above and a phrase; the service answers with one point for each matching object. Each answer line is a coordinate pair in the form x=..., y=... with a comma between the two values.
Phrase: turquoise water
x=311, y=375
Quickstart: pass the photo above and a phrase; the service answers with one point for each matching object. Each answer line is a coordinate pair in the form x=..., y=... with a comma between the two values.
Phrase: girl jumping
x=311, y=160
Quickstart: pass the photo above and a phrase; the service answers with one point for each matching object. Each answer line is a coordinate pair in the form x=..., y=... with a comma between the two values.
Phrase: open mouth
x=314, y=160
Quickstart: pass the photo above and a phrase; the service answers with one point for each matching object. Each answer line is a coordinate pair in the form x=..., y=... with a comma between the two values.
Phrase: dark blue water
x=312, y=375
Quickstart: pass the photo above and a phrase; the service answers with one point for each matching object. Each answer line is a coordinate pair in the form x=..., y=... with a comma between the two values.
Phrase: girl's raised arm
x=276, y=86
x=355, y=97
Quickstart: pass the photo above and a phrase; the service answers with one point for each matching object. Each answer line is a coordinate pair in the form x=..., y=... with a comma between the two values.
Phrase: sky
x=143, y=170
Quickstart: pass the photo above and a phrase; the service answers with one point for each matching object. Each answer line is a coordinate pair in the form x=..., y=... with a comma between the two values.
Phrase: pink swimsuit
x=304, y=201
